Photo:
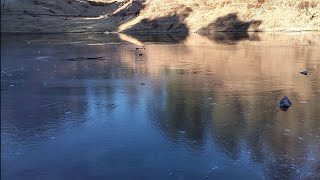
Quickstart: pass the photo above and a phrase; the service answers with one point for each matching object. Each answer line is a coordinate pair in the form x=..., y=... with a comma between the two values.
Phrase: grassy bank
x=202, y=16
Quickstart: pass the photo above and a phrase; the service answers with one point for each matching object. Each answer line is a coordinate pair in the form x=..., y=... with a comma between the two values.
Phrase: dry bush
x=225, y=3
x=313, y=4
x=307, y=4
x=256, y=6
x=304, y=5
x=247, y=16
x=291, y=3
x=228, y=2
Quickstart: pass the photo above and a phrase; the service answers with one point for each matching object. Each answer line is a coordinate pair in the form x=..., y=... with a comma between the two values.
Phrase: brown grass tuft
x=304, y=5
x=251, y=6
x=314, y=4
x=307, y=4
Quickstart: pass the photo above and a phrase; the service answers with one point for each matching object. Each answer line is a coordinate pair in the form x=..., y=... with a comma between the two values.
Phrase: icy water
x=191, y=107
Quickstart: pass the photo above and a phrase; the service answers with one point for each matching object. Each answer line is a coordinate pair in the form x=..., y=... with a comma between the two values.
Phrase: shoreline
x=156, y=32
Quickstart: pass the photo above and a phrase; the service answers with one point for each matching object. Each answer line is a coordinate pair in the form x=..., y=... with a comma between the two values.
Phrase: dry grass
x=275, y=15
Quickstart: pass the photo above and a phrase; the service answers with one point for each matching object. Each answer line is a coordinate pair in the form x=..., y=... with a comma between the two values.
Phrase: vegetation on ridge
x=203, y=16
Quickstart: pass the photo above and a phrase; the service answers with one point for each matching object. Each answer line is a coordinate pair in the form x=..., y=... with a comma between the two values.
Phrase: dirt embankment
x=58, y=16
x=202, y=16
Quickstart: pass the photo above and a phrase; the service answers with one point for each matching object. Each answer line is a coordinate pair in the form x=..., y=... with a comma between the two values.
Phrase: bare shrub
x=251, y=6
x=304, y=5
x=314, y=4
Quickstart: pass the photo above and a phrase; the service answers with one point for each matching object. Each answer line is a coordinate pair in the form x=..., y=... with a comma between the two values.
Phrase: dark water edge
x=195, y=107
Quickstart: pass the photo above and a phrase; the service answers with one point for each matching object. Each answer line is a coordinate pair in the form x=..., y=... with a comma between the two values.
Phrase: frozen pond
x=92, y=106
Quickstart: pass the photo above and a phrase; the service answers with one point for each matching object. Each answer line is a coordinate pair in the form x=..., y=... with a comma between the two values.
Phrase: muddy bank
x=156, y=16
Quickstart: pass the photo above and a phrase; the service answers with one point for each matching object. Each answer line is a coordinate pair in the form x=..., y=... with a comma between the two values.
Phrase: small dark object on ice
x=30, y=14
x=304, y=72
x=85, y=58
x=140, y=54
x=143, y=84
x=143, y=47
x=285, y=103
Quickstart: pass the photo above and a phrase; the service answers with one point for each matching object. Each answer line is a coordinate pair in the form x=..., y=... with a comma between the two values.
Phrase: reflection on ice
x=206, y=108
